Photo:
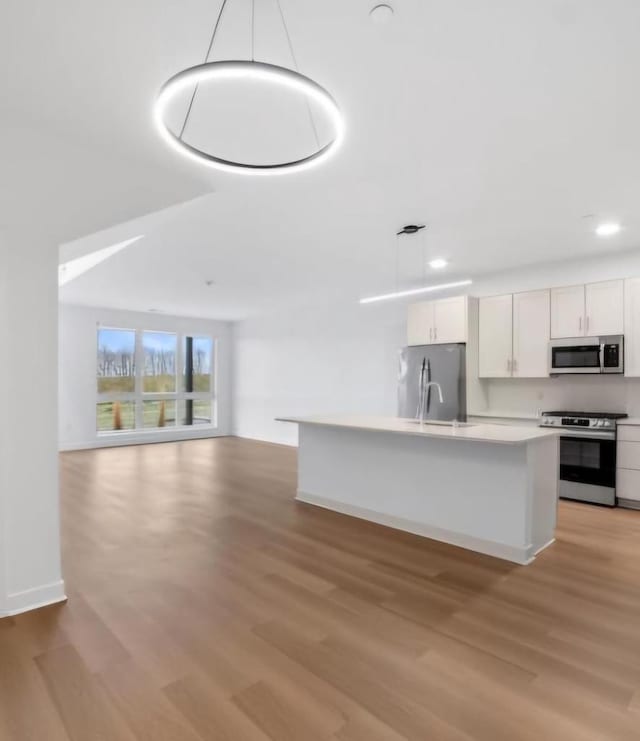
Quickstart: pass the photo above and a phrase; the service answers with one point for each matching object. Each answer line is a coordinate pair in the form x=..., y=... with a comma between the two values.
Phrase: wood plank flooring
x=206, y=605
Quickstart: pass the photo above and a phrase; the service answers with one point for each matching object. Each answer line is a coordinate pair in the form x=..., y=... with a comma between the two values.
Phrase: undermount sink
x=439, y=423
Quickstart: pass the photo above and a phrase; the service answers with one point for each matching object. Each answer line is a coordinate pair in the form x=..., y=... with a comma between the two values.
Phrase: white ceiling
x=500, y=123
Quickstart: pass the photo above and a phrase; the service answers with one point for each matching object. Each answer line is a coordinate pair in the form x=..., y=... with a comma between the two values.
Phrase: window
x=196, y=371
x=116, y=360
x=197, y=381
x=116, y=415
x=161, y=413
x=196, y=412
x=137, y=380
x=159, y=350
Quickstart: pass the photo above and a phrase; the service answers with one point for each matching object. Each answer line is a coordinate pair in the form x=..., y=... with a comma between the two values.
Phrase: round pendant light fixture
x=240, y=70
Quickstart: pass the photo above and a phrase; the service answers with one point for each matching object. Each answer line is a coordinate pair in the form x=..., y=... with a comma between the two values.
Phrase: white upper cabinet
x=420, y=318
x=531, y=324
x=604, y=308
x=567, y=312
x=450, y=323
x=437, y=322
x=632, y=327
x=496, y=336
x=514, y=335
x=588, y=311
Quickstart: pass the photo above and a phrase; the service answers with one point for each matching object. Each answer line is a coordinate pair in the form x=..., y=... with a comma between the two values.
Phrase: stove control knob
x=607, y=423
x=599, y=423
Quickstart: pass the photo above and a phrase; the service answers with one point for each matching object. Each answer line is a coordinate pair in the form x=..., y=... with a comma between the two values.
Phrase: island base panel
x=500, y=500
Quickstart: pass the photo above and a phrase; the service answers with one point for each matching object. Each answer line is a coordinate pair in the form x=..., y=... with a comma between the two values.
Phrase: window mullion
x=139, y=380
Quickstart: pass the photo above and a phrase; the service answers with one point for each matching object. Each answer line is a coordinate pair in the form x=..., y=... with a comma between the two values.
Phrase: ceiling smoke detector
x=381, y=14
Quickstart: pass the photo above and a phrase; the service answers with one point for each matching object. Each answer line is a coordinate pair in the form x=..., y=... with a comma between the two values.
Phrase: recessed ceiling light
x=607, y=229
x=382, y=13
x=438, y=263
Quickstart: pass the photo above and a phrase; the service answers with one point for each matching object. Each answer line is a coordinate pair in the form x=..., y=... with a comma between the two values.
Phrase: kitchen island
x=488, y=488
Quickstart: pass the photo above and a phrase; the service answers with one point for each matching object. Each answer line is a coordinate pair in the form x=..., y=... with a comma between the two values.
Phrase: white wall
x=328, y=358
x=52, y=184
x=77, y=358
x=30, y=570
x=319, y=360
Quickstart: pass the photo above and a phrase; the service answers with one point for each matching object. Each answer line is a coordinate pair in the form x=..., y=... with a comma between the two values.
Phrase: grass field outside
x=116, y=384
x=159, y=413
x=113, y=416
x=162, y=383
x=159, y=384
x=107, y=416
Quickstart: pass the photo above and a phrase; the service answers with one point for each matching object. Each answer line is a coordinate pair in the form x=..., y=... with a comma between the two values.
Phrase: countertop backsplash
x=526, y=397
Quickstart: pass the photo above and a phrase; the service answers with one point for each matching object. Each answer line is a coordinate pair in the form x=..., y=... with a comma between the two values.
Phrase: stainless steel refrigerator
x=444, y=364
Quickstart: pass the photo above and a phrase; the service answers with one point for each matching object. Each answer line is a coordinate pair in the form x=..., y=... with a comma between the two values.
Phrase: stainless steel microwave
x=587, y=355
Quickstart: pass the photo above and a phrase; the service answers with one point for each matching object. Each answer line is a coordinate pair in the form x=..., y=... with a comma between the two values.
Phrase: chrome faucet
x=437, y=385
x=423, y=387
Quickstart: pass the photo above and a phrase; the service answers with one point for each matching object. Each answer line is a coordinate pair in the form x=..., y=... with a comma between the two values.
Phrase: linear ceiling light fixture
x=438, y=263
x=415, y=291
x=269, y=74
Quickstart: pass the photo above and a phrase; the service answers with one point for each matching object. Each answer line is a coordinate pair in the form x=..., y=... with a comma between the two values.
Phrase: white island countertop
x=485, y=433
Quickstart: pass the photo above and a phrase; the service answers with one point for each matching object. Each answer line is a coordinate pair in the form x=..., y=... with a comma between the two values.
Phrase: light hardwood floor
x=206, y=605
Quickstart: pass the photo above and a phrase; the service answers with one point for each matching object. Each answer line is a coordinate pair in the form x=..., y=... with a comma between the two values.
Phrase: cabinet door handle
x=580, y=323
x=508, y=366
x=435, y=333
x=587, y=325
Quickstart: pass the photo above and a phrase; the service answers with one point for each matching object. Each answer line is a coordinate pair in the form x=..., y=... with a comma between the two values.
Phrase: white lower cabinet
x=628, y=466
x=628, y=487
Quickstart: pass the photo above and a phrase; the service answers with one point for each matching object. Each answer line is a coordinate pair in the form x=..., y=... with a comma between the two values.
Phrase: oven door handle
x=602, y=357
x=583, y=434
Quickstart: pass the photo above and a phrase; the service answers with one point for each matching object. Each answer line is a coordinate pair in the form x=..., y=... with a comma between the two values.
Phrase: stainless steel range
x=587, y=454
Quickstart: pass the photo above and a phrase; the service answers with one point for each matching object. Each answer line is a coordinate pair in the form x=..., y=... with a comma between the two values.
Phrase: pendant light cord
x=397, y=262
x=295, y=64
x=291, y=51
x=253, y=26
x=206, y=59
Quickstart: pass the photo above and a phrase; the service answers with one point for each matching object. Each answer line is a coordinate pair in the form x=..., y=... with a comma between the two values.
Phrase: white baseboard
x=522, y=556
x=32, y=599
x=543, y=547
x=628, y=503
x=123, y=439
